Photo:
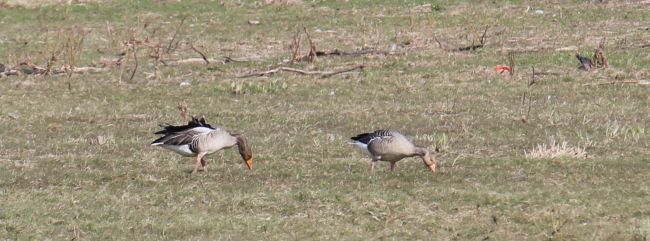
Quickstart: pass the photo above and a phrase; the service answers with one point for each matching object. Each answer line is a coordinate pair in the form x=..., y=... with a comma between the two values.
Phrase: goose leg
x=392, y=166
x=372, y=165
x=199, y=157
x=203, y=164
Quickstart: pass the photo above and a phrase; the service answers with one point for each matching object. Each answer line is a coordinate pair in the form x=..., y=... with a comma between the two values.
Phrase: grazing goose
x=391, y=146
x=198, y=139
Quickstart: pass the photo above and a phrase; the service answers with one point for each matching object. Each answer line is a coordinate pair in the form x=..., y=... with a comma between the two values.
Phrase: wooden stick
x=200, y=53
x=511, y=62
x=360, y=67
x=482, y=40
x=546, y=73
x=311, y=56
x=59, y=71
x=135, y=58
x=337, y=52
x=9, y=72
x=532, y=78
x=295, y=46
x=89, y=70
x=471, y=47
x=178, y=28
x=440, y=44
x=182, y=108
x=613, y=82
x=323, y=74
x=228, y=59
x=190, y=61
x=123, y=64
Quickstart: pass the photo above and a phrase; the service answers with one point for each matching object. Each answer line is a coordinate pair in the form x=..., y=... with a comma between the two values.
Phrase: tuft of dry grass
x=556, y=150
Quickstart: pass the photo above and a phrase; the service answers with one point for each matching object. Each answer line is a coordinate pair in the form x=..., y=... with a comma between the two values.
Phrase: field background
x=75, y=160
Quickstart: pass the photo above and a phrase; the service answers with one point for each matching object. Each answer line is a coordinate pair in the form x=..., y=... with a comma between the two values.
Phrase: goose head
x=245, y=151
x=427, y=158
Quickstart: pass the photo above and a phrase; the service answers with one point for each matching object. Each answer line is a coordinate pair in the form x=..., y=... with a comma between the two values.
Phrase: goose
x=391, y=146
x=198, y=139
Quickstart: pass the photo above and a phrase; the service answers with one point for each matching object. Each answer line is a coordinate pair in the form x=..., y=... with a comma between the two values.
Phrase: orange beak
x=249, y=164
x=432, y=167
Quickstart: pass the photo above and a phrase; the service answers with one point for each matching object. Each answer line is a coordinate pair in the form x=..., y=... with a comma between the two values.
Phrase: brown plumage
x=198, y=139
x=391, y=146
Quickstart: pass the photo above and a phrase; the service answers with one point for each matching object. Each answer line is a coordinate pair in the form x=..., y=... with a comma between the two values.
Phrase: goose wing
x=367, y=138
x=193, y=123
x=372, y=142
x=184, y=137
x=183, y=134
x=389, y=145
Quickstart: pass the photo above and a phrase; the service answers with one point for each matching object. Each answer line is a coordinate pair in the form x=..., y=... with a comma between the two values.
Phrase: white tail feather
x=361, y=146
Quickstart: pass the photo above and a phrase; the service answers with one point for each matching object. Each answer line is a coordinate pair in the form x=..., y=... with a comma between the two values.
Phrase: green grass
x=57, y=182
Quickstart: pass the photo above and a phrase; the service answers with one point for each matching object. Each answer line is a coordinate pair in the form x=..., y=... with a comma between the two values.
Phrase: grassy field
x=76, y=164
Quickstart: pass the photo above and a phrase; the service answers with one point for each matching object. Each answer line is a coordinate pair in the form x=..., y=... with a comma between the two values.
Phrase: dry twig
x=613, y=82
x=475, y=46
x=511, y=63
x=135, y=59
x=178, y=28
x=36, y=70
x=184, y=110
x=311, y=56
x=295, y=47
x=323, y=74
x=200, y=53
x=228, y=59
x=526, y=98
x=337, y=52
x=599, y=60
x=443, y=47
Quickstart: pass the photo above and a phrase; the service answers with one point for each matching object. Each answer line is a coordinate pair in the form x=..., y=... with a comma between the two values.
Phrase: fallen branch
x=225, y=60
x=337, y=52
x=615, y=82
x=89, y=70
x=9, y=72
x=323, y=74
x=240, y=60
x=547, y=73
x=57, y=71
x=471, y=47
x=190, y=61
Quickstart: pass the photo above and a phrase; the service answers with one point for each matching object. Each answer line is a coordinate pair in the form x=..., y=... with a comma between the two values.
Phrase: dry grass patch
x=556, y=150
